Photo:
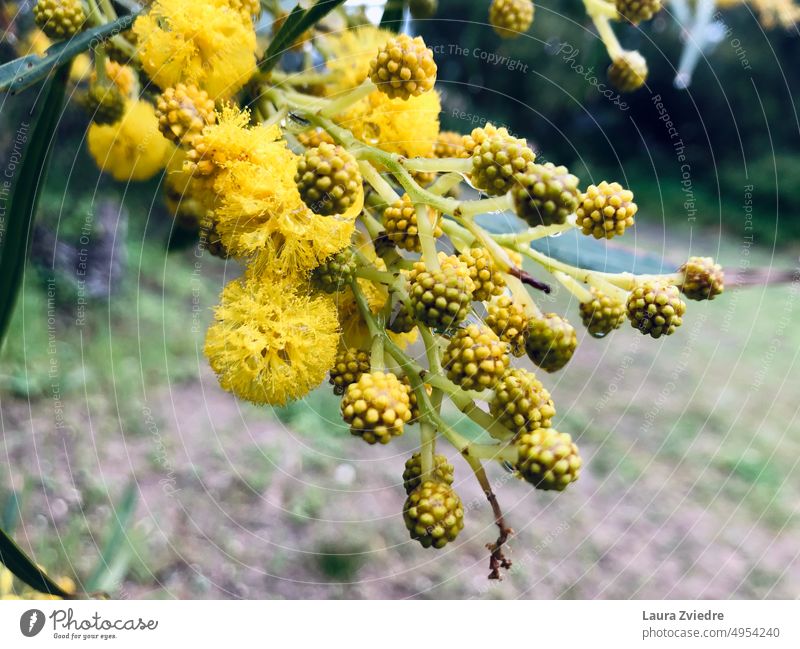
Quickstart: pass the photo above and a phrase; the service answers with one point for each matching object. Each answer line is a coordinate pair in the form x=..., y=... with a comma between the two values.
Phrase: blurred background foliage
x=239, y=501
x=738, y=119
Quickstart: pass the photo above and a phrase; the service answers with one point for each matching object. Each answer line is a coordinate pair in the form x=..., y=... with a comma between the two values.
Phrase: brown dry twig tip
x=526, y=278
x=497, y=559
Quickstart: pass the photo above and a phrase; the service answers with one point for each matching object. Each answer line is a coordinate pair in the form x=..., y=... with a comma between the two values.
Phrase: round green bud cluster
x=404, y=68
x=496, y=161
x=402, y=322
x=59, y=19
x=105, y=104
x=433, y=514
x=413, y=402
x=402, y=227
x=702, y=278
x=606, y=210
x=440, y=299
x=350, y=365
x=183, y=112
x=509, y=321
x=475, y=358
x=421, y=9
x=450, y=144
x=328, y=179
x=510, y=18
x=628, y=71
x=376, y=407
x=545, y=194
x=336, y=274
x=521, y=402
x=656, y=308
x=549, y=460
x=412, y=475
x=116, y=53
x=314, y=137
x=551, y=342
x=637, y=11
x=602, y=313
x=488, y=280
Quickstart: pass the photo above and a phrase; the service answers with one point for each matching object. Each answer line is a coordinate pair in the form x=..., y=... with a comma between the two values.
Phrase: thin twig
x=497, y=559
x=526, y=278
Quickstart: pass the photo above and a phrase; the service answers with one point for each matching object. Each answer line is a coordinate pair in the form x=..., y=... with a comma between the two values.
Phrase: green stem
x=469, y=209
x=513, y=239
x=339, y=105
x=603, y=26
x=426, y=239
x=100, y=65
x=445, y=183
x=377, y=276
x=460, y=165
x=427, y=434
x=574, y=287
x=601, y=8
x=376, y=334
x=376, y=181
x=108, y=9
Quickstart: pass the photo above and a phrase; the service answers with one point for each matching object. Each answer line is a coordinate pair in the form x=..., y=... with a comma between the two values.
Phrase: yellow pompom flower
x=205, y=42
x=133, y=148
x=270, y=342
x=121, y=76
x=406, y=127
x=352, y=51
x=230, y=140
x=187, y=198
x=259, y=214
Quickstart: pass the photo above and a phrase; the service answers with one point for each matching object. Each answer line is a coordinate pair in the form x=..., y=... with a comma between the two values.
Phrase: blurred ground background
x=690, y=444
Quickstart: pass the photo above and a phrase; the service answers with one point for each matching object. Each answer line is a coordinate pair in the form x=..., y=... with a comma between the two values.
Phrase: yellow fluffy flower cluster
x=259, y=214
x=205, y=42
x=351, y=53
x=409, y=128
x=133, y=148
x=406, y=127
x=271, y=342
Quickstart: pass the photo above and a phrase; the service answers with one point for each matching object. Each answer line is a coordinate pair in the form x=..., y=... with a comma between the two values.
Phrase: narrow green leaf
x=117, y=551
x=393, y=15
x=22, y=192
x=22, y=73
x=26, y=570
x=297, y=22
x=579, y=250
x=576, y=249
